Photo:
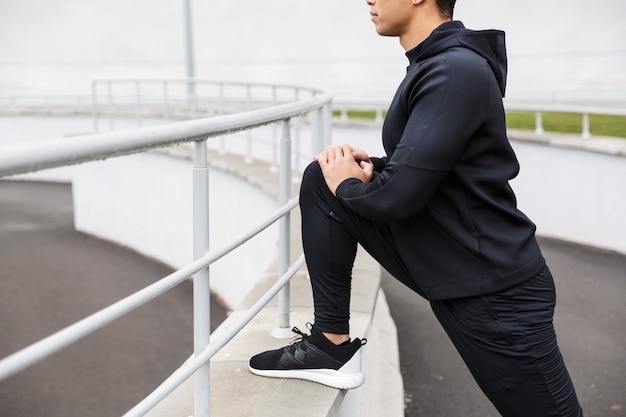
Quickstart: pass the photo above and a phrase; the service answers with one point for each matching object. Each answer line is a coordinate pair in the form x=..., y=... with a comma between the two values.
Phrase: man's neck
x=420, y=30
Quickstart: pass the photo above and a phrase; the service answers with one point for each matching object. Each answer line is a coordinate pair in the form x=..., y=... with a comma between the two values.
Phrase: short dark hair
x=446, y=8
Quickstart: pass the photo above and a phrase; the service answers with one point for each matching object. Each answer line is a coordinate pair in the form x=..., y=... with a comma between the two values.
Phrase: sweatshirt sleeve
x=379, y=163
x=443, y=103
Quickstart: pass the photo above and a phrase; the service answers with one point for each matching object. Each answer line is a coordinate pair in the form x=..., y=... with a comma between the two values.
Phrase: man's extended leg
x=508, y=342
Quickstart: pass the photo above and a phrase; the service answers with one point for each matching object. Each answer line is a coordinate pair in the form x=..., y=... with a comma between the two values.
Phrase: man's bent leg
x=508, y=342
x=330, y=252
x=330, y=233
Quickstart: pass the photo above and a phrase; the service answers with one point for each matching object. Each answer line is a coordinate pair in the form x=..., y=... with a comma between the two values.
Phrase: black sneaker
x=305, y=360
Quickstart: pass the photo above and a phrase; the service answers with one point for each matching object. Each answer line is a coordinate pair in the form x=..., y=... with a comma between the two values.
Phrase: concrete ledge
x=236, y=392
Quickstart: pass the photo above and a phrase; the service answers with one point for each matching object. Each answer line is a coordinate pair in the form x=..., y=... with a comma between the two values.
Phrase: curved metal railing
x=21, y=158
x=166, y=99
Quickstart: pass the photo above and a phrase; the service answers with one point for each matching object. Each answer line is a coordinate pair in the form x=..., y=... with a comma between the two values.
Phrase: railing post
x=327, y=125
x=275, y=146
x=94, y=105
x=222, y=105
x=379, y=114
x=317, y=128
x=222, y=111
x=296, y=148
x=284, y=240
x=138, y=104
x=191, y=71
x=538, y=123
x=586, y=134
x=201, y=284
x=110, y=101
x=166, y=102
x=192, y=99
x=249, y=158
x=344, y=114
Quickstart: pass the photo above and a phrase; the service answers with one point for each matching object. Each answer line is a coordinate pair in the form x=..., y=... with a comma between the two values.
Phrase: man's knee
x=312, y=178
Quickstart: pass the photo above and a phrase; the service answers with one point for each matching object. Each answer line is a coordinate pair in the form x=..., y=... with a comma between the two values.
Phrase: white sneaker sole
x=347, y=377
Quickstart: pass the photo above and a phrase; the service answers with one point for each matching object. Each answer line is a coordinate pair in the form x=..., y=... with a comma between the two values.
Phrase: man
x=438, y=213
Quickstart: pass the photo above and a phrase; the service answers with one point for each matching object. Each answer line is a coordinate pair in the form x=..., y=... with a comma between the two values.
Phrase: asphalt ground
x=590, y=322
x=51, y=276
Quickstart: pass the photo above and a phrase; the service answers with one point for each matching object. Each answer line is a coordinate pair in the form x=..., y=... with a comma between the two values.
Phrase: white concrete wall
x=144, y=202
x=573, y=194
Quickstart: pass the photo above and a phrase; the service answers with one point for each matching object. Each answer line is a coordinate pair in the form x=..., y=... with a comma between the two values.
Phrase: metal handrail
x=168, y=99
x=22, y=158
x=158, y=97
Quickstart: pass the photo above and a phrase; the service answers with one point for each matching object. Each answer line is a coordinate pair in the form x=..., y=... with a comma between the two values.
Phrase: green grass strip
x=600, y=125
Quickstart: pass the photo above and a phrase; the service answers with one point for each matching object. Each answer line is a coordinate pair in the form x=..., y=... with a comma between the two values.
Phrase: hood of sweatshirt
x=490, y=44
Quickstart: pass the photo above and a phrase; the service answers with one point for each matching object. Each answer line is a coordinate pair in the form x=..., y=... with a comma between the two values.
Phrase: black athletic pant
x=506, y=339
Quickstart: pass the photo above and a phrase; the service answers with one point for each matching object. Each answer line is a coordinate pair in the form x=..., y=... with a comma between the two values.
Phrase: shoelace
x=299, y=342
x=303, y=335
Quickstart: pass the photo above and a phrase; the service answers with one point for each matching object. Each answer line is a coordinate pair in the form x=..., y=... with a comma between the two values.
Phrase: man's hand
x=339, y=163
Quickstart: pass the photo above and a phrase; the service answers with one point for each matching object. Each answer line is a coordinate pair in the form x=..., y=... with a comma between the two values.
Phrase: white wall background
x=554, y=46
x=573, y=194
x=144, y=202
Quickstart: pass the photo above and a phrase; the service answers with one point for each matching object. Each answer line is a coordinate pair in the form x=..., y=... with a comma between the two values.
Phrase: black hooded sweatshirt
x=443, y=186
